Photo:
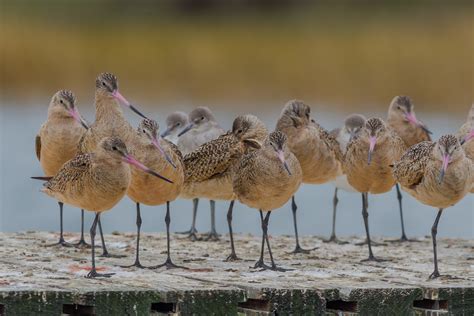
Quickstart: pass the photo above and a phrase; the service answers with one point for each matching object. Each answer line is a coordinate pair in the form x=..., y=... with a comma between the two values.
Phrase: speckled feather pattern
x=377, y=177
x=418, y=173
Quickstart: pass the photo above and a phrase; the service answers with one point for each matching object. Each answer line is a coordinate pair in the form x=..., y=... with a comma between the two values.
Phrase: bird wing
x=175, y=149
x=410, y=169
x=211, y=158
x=38, y=146
x=331, y=142
x=71, y=172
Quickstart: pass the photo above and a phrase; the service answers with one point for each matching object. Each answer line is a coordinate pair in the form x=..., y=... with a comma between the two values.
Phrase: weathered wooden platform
x=39, y=280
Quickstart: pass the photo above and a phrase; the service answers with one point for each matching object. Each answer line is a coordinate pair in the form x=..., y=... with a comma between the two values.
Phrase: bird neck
x=107, y=109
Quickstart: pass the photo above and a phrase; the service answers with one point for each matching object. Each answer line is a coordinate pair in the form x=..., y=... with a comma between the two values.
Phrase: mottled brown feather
x=410, y=169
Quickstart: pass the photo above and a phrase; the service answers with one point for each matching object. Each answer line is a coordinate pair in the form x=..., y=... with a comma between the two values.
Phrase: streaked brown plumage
x=412, y=132
x=317, y=151
x=109, y=118
x=154, y=152
x=57, y=142
x=368, y=161
x=437, y=174
x=208, y=169
x=402, y=119
x=95, y=182
x=265, y=179
x=465, y=129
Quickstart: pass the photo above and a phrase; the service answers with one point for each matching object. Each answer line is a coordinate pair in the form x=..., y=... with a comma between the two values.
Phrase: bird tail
x=42, y=178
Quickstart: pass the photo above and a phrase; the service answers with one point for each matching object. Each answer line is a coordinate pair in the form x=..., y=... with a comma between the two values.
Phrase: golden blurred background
x=339, y=53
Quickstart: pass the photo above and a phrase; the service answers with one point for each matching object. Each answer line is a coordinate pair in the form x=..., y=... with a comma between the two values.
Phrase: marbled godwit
x=265, y=179
x=157, y=154
x=466, y=134
x=367, y=163
x=201, y=129
x=208, y=169
x=402, y=119
x=57, y=142
x=95, y=182
x=318, y=153
x=353, y=124
x=175, y=122
x=109, y=121
x=437, y=174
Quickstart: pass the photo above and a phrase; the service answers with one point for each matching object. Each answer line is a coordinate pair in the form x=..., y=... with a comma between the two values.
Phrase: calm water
x=23, y=207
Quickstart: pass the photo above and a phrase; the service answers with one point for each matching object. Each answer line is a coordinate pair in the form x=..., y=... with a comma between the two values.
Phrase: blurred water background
x=235, y=57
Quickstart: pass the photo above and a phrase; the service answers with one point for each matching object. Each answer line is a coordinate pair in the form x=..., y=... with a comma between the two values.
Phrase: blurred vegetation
x=351, y=53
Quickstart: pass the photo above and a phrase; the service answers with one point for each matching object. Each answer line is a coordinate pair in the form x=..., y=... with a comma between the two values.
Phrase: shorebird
x=209, y=169
x=57, y=143
x=96, y=182
x=368, y=161
x=353, y=124
x=158, y=154
x=317, y=152
x=175, y=122
x=265, y=179
x=202, y=128
x=437, y=174
x=109, y=121
x=402, y=119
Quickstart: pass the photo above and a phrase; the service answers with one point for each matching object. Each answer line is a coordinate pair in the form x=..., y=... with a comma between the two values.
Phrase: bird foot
x=262, y=267
x=168, y=264
x=373, y=243
x=212, y=236
x=106, y=254
x=190, y=231
x=82, y=244
x=334, y=239
x=232, y=257
x=136, y=264
x=298, y=249
x=402, y=239
x=194, y=237
x=434, y=275
x=372, y=258
x=94, y=274
x=61, y=243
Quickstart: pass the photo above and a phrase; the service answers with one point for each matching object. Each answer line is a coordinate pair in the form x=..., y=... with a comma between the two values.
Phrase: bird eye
x=313, y=121
x=114, y=147
x=179, y=124
x=143, y=130
x=61, y=101
x=239, y=131
x=202, y=118
x=103, y=83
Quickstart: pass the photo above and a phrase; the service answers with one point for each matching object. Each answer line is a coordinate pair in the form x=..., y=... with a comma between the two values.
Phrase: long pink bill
x=444, y=167
x=131, y=160
x=125, y=102
x=411, y=117
x=468, y=137
x=281, y=156
x=75, y=114
x=372, y=141
x=156, y=143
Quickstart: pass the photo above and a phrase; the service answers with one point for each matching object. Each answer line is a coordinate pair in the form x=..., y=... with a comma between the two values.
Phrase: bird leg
x=192, y=232
x=260, y=263
x=333, y=238
x=93, y=273
x=298, y=248
x=274, y=266
x=82, y=242
x=105, y=252
x=137, y=251
x=168, y=263
x=213, y=235
x=61, y=241
x=365, y=215
x=233, y=255
x=434, y=232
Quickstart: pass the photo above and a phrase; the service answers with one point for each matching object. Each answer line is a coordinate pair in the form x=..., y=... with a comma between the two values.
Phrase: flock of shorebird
x=88, y=166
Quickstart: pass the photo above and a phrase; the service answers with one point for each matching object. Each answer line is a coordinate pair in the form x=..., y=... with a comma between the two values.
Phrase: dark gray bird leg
x=365, y=215
x=168, y=263
x=192, y=232
x=61, y=241
x=434, y=232
x=260, y=263
x=137, y=251
x=93, y=273
x=233, y=255
x=105, y=252
x=213, y=235
x=298, y=248
x=82, y=242
x=333, y=237
x=273, y=266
